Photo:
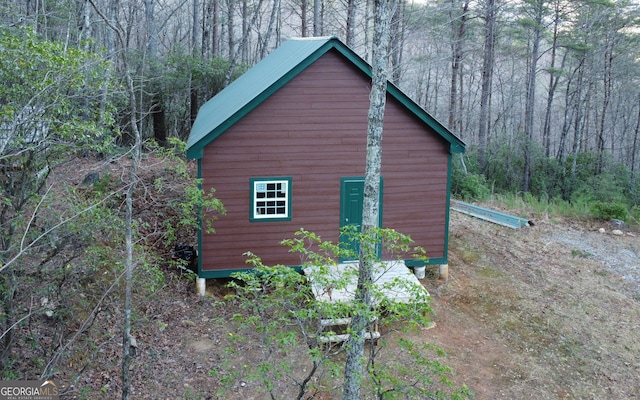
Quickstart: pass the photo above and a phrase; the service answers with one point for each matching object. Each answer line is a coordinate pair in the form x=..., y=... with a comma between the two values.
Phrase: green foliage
x=505, y=166
x=391, y=384
x=589, y=185
x=51, y=106
x=634, y=215
x=175, y=77
x=469, y=186
x=282, y=314
x=467, y=182
x=607, y=211
x=193, y=203
x=52, y=96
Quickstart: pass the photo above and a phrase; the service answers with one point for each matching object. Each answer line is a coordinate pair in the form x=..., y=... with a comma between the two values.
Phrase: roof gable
x=272, y=73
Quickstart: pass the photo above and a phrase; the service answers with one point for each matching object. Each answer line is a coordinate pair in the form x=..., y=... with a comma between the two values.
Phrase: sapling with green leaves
x=191, y=202
x=281, y=314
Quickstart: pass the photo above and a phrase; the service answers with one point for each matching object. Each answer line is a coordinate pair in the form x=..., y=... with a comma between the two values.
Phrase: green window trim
x=270, y=199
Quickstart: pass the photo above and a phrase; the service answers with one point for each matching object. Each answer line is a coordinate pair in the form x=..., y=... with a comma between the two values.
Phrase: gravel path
x=619, y=255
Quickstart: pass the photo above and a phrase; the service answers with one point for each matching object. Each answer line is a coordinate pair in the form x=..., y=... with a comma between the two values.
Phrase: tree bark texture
x=371, y=206
x=352, y=6
x=316, y=17
x=487, y=77
x=529, y=108
x=458, y=28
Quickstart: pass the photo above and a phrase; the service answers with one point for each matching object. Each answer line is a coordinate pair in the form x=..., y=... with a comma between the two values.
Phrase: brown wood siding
x=314, y=131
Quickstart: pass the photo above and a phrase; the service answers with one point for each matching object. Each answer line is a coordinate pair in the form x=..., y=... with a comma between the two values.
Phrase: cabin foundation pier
x=444, y=271
x=201, y=286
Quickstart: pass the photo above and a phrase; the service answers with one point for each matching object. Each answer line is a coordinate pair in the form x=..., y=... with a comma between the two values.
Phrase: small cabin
x=284, y=146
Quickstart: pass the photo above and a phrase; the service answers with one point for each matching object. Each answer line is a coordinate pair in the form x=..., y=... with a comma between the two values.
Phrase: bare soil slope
x=543, y=313
x=546, y=312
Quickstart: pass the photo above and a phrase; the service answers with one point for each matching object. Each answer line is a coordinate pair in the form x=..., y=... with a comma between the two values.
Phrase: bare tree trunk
x=487, y=77
x=352, y=7
x=316, y=17
x=303, y=18
x=267, y=36
x=133, y=176
x=553, y=83
x=371, y=205
x=207, y=28
x=580, y=123
x=245, y=32
x=126, y=331
x=215, y=29
x=606, y=93
x=157, y=103
x=529, y=108
x=634, y=146
x=367, y=28
x=152, y=34
x=570, y=99
x=459, y=27
x=230, y=27
x=397, y=41
x=196, y=25
x=245, y=37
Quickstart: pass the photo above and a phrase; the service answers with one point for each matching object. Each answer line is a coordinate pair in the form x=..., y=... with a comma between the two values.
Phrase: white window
x=271, y=199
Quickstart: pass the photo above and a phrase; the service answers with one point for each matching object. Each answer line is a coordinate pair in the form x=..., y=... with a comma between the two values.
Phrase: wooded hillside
x=545, y=92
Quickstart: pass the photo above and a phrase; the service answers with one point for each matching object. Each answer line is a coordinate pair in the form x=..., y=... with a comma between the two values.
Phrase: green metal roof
x=273, y=72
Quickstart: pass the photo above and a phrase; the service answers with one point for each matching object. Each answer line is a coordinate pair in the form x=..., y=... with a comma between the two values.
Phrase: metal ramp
x=486, y=214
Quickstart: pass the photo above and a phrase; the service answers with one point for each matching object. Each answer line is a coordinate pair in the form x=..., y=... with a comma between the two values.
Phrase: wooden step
x=339, y=321
x=345, y=337
x=334, y=322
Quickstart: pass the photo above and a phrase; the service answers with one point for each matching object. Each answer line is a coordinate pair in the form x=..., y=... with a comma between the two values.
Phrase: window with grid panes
x=271, y=199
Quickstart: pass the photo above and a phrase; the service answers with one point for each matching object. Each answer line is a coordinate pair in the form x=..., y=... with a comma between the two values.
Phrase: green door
x=351, y=203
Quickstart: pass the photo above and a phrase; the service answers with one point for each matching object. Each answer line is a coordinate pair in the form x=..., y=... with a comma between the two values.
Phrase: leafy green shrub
x=470, y=186
x=609, y=210
x=281, y=313
x=505, y=166
x=634, y=215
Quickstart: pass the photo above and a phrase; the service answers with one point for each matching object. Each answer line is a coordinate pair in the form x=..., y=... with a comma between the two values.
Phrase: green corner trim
x=419, y=263
x=200, y=219
x=226, y=273
x=447, y=210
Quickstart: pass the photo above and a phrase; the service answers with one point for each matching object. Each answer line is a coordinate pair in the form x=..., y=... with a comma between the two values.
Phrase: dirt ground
x=547, y=312
x=541, y=312
x=550, y=311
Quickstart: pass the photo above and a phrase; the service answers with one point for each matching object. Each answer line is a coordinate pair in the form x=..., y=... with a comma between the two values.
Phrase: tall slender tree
x=535, y=24
x=352, y=7
x=458, y=28
x=317, y=22
x=136, y=155
x=635, y=142
x=487, y=78
x=397, y=40
x=554, y=76
x=371, y=205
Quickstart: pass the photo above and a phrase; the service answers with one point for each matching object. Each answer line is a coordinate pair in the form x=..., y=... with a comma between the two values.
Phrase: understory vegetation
x=585, y=186
x=67, y=288
x=287, y=313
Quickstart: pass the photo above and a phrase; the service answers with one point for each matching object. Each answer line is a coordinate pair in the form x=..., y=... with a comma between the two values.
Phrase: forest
x=546, y=93
x=543, y=91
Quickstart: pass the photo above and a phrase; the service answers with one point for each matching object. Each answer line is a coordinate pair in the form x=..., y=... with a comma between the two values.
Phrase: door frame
x=343, y=196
